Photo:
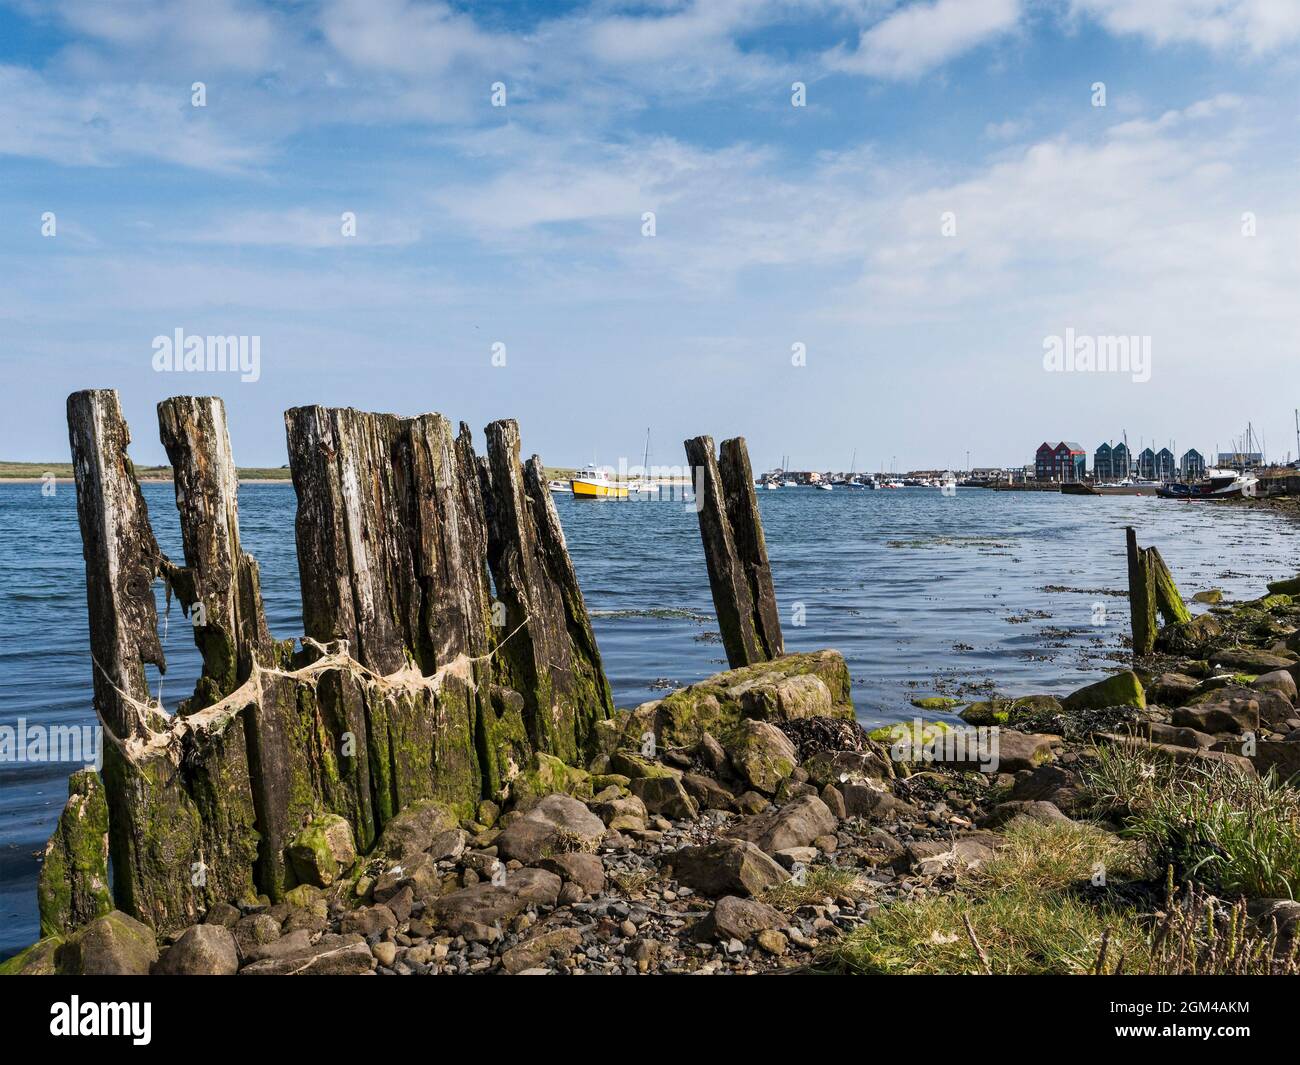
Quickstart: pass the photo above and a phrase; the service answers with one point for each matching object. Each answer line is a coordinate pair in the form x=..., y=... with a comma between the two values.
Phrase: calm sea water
x=922, y=593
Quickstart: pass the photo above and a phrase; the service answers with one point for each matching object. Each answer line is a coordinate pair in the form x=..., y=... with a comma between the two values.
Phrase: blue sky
x=775, y=225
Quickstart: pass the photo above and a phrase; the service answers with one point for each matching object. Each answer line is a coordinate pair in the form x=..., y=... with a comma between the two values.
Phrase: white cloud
x=301, y=227
x=920, y=37
x=42, y=118
x=206, y=35
x=419, y=39
x=1259, y=26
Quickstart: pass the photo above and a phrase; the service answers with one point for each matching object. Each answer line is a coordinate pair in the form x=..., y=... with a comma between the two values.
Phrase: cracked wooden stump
x=550, y=656
x=401, y=691
x=740, y=577
x=180, y=811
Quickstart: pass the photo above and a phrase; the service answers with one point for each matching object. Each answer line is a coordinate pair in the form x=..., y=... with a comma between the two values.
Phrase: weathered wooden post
x=740, y=576
x=181, y=819
x=1141, y=596
x=549, y=653
x=218, y=586
x=402, y=690
x=388, y=550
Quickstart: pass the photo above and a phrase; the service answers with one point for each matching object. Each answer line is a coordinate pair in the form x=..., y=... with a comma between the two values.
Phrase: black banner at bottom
x=172, y=1013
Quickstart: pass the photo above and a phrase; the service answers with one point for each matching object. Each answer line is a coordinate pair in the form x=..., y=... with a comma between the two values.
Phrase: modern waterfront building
x=1121, y=461
x=1102, y=467
x=1165, y=467
x=1146, y=465
x=1192, y=465
x=1065, y=461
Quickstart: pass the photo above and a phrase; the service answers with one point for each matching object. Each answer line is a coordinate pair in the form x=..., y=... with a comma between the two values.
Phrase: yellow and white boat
x=594, y=483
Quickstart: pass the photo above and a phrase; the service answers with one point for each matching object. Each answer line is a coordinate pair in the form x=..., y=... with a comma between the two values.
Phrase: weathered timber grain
x=122, y=560
x=218, y=586
x=747, y=530
x=740, y=577
x=180, y=810
x=391, y=545
x=548, y=655
x=402, y=690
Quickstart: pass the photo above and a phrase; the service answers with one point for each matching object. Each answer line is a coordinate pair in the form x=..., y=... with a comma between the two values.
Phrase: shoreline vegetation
x=1146, y=823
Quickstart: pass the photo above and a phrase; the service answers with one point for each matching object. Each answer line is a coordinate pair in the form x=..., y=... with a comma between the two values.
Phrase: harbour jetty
x=434, y=779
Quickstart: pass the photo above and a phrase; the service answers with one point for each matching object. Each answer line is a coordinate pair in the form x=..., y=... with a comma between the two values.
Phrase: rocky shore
x=746, y=824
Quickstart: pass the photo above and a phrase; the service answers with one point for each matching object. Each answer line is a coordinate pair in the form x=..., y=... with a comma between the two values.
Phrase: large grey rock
x=535, y=951
x=291, y=943
x=1250, y=660
x=1038, y=810
x=1277, y=680
x=201, y=950
x=1282, y=757
x=796, y=824
x=707, y=793
x=255, y=930
x=622, y=815
x=414, y=829
x=1228, y=712
x=872, y=800
x=737, y=918
x=726, y=867
x=468, y=911
x=1178, y=735
x=342, y=955
x=368, y=920
x=113, y=945
x=556, y=824
x=665, y=796
x=320, y=850
x=761, y=755
x=585, y=870
x=842, y=767
x=419, y=872
x=1045, y=782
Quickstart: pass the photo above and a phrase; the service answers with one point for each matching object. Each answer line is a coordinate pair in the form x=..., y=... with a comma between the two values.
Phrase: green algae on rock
x=1122, y=689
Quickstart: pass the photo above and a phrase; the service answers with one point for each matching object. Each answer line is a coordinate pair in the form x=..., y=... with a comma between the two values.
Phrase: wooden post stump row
x=413, y=682
x=735, y=551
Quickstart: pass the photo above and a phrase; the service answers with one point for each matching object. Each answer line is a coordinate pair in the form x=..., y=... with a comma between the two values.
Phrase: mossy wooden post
x=1168, y=599
x=751, y=547
x=390, y=559
x=154, y=834
x=1141, y=596
x=735, y=552
x=238, y=757
x=549, y=653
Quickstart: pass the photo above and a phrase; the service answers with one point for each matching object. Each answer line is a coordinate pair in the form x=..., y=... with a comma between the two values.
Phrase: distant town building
x=1065, y=461
x=1102, y=467
x=1165, y=467
x=1192, y=465
x=1240, y=459
x=1146, y=465
x=1121, y=461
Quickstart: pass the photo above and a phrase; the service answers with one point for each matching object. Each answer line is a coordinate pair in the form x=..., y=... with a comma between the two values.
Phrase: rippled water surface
x=922, y=593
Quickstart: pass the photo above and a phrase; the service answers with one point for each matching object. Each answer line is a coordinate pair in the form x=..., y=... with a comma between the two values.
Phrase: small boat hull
x=596, y=490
